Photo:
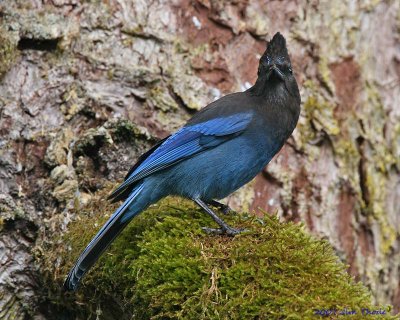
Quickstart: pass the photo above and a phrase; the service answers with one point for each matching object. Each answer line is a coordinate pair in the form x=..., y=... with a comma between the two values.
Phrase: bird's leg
x=224, y=228
x=223, y=207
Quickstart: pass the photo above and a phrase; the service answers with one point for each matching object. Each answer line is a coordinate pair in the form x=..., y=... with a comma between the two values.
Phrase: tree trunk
x=87, y=86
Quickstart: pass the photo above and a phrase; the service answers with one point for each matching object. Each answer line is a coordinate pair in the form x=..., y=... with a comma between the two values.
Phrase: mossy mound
x=164, y=267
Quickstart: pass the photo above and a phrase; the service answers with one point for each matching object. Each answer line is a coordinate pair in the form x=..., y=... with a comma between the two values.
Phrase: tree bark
x=87, y=86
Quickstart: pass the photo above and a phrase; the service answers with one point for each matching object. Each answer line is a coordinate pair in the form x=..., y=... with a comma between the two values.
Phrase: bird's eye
x=290, y=70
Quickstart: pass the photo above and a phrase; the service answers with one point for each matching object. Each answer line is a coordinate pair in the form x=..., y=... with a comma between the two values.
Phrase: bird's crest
x=277, y=47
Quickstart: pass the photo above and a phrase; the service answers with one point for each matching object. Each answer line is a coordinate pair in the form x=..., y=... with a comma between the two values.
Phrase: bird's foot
x=229, y=231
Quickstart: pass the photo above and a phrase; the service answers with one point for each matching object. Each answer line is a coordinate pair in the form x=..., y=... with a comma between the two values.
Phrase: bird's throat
x=260, y=88
x=264, y=86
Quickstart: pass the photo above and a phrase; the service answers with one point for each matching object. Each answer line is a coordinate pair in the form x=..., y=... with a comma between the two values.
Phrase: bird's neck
x=278, y=96
x=260, y=88
x=276, y=92
x=269, y=90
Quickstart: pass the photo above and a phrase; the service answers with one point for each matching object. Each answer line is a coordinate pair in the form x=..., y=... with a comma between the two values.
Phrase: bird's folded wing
x=185, y=143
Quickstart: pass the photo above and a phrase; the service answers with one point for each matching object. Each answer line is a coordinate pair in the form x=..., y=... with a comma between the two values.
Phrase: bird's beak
x=275, y=70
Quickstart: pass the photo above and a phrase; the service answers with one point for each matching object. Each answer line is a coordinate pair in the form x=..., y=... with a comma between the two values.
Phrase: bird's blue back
x=189, y=141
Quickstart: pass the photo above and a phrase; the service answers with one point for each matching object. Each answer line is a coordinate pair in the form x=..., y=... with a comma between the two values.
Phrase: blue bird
x=219, y=150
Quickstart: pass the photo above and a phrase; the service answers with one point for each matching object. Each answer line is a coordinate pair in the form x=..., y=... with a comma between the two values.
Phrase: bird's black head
x=275, y=62
x=275, y=73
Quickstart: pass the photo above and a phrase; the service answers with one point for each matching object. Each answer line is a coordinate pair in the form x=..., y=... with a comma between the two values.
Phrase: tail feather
x=102, y=240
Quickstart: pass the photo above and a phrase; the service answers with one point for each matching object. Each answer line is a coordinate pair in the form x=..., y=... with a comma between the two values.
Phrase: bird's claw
x=223, y=231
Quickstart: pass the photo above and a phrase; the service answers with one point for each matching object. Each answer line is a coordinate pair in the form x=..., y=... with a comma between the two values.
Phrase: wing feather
x=183, y=144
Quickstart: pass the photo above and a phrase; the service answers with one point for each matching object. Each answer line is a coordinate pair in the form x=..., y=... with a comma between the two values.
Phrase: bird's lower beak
x=274, y=70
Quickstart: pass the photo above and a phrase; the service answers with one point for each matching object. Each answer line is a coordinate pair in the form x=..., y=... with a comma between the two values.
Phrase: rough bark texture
x=87, y=86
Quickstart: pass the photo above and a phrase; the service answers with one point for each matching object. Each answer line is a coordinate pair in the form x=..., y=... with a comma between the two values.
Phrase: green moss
x=8, y=52
x=378, y=158
x=9, y=210
x=381, y=158
x=396, y=144
x=325, y=74
x=318, y=118
x=92, y=140
x=72, y=101
x=125, y=130
x=164, y=267
x=321, y=114
x=347, y=157
x=160, y=98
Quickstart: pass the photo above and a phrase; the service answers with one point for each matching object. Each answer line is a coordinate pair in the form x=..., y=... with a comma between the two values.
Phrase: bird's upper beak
x=276, y=71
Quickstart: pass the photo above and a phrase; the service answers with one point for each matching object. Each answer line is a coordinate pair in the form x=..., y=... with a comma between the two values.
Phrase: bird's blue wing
x=185, y=143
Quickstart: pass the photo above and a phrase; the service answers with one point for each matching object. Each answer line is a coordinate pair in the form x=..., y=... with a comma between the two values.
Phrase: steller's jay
x=219, y=150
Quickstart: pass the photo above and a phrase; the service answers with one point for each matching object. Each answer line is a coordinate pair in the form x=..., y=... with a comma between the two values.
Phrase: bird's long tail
x=111, y=229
